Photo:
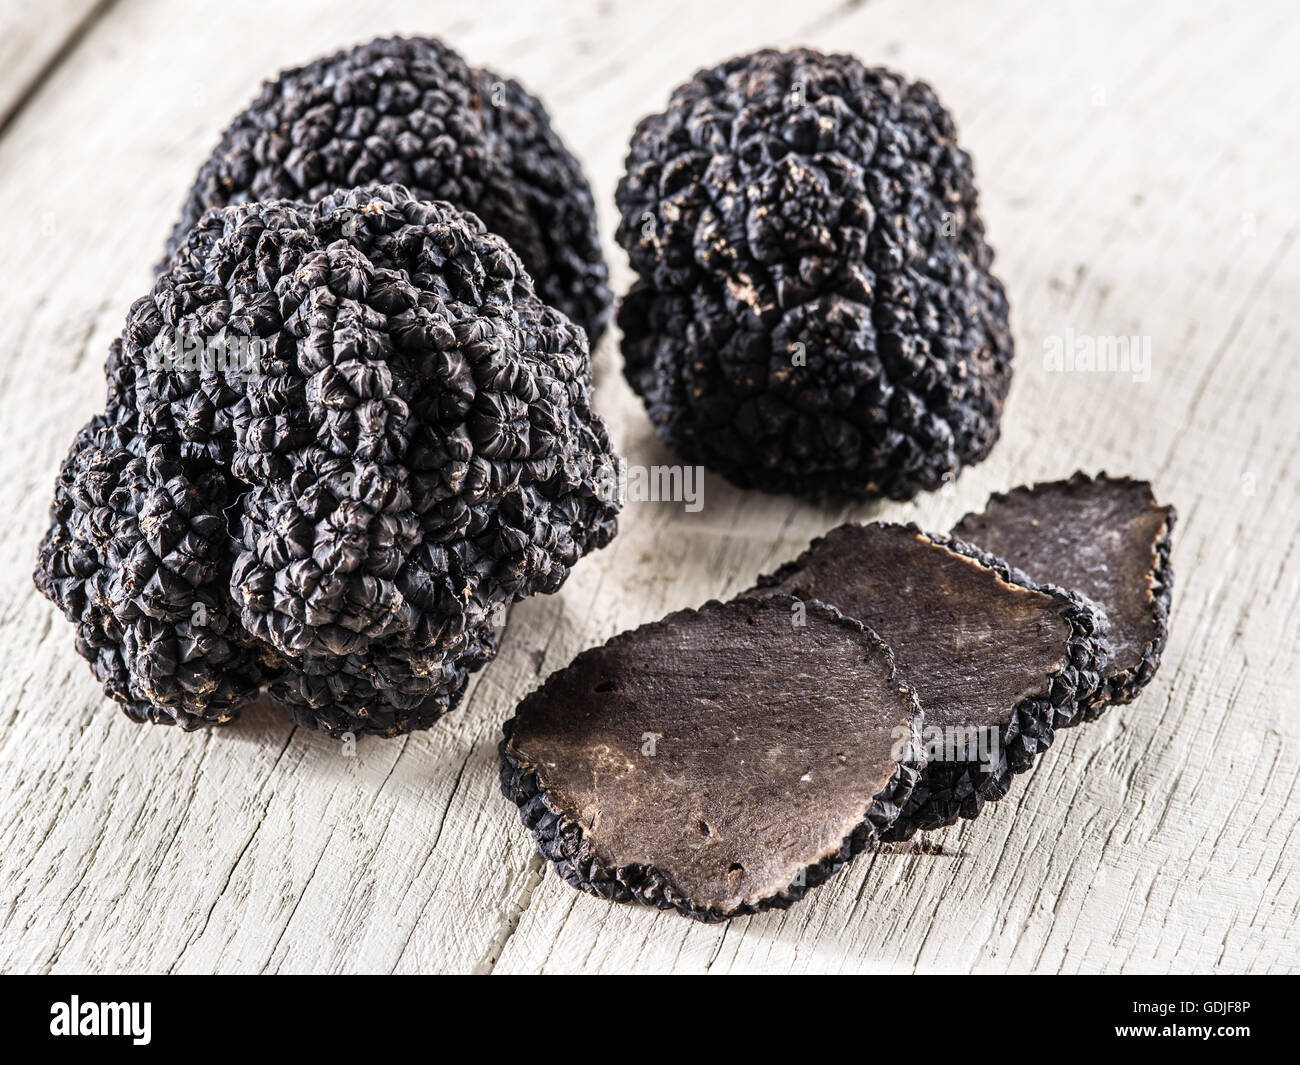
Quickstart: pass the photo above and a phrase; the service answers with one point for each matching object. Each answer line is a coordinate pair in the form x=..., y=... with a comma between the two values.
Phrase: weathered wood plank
x=35, y=37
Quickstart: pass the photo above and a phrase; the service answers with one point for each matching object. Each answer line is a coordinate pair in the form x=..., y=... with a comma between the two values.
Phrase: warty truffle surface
x=814, y=310
x=410, y=111
x=389, y=439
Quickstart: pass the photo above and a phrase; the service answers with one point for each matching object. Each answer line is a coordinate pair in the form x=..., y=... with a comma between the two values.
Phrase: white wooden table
x=1139, y=170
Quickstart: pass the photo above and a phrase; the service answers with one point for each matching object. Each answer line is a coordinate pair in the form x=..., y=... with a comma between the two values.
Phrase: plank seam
x=51, y=65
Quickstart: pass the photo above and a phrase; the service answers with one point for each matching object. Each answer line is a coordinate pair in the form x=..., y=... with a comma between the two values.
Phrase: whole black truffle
x=411, y=111
x=814, y=311
x=338, y=437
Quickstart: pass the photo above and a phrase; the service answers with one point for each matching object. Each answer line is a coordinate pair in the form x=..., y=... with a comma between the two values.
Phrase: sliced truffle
x=815, y=310
x=1105, y=537
x=410, y=111
x=718, y=762
x=996, y=660
x=338, y=438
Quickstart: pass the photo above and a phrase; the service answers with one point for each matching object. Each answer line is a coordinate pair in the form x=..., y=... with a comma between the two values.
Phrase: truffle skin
x=769, y=772
x=814, y=311
x=934, y=601
x=1105, y=537
x=338, y=517
x=410, y=111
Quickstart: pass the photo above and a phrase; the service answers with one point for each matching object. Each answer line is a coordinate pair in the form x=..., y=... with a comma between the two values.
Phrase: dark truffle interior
x=971, y=644
x=770, y=742
x=1098, y=536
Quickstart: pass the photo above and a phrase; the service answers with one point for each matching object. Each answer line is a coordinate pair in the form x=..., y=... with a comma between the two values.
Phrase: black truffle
x=1105, y=537
x=995, y=658
x=338, y=438
x=815, y=311
x=410, y=111
x=718, y=762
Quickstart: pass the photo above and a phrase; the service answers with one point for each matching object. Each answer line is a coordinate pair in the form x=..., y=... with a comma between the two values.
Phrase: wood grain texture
x=1138, y=167
x=36, y=36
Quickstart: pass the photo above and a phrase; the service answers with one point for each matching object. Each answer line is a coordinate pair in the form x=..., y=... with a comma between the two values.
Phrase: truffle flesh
x=992, y=656
x=1105, y=537
x=717, y=762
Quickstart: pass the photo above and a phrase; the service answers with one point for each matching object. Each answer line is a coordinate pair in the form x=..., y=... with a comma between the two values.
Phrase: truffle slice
x=998, y=662
x=1107, y=538
x=718, y=762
